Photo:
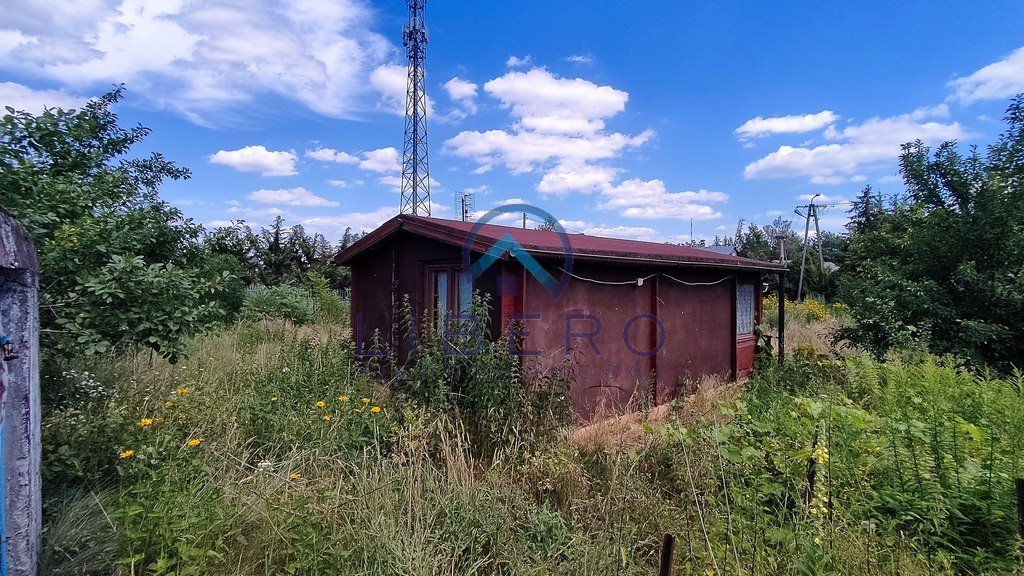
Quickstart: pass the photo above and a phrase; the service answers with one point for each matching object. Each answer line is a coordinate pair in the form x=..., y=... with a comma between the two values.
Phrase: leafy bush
x=280, y=302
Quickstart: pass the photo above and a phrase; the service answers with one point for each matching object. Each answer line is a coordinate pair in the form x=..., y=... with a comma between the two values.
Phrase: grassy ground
x=263, y=454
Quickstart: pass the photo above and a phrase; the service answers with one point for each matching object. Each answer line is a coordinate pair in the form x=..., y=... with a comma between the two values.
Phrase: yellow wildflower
x=273, y=399
x=168, y=404
x=194, y=442
x=327, y=417
x=146, y=422
x=320, y=404
x=817, y=541
x=343, y=398
x=366, y=400
x=375, y=409
x=181, y=391
x=295, y=475
x=125, y=454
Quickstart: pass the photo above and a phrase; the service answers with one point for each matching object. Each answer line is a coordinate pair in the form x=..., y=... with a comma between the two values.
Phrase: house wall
x=608, y=326
x=396, y=269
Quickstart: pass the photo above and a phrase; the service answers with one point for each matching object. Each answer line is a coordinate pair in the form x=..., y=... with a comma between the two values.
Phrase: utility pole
x=524, y=220
x=415, y=167
x=817, y=235
x=807, y=231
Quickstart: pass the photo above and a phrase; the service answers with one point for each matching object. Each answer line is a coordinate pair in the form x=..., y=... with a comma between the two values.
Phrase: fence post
x=668, y=548
x=20, y=497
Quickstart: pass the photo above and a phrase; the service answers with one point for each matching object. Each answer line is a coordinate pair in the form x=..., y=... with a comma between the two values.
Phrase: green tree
x=105, y=238
x=944, y=264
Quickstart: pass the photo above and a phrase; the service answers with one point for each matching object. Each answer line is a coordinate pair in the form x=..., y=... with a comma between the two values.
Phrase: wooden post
x=782, y=317
x=20, y=496
x=668, y=549
x=1020, y=505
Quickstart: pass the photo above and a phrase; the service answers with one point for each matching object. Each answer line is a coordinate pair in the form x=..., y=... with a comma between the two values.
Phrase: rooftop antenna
x=465, y=204
x=415, y=170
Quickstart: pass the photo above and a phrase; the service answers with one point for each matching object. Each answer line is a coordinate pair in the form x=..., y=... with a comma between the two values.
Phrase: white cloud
x=202, y=59
x=459, y=89
x=339, y=183
x=290, y=197
x=581, y=59
x=757, y=127
x=822, y=199
x=637, y=198
x=391, y=83
x=463, y=93
x=524, y=151
x=997, y=81
x=381, y=160
x=548, y=104
x=644, y=233
x=27, y=99
x=516, y=62
x=258, y=159
x=331, y=155
x=586, y=178
x=855, y=148
x=333, y=227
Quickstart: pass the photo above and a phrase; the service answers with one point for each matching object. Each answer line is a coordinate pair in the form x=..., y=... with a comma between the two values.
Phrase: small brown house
x=627, y=318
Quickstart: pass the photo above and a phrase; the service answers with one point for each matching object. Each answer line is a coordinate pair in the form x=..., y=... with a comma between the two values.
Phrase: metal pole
x=817, y=234
x=803, y=261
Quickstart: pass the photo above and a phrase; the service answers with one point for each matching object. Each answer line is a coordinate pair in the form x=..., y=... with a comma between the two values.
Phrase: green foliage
x=820, y=467
x=114, y=257
x=107, y=303
x=281, y=302
x=280, y=255
x=461, y=369
x=943, y=264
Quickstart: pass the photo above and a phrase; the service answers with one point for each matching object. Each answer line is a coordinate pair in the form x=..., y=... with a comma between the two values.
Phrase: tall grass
x=822, y=467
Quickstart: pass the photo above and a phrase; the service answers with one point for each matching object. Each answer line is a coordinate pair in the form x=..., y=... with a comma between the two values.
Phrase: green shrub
x=280, y=302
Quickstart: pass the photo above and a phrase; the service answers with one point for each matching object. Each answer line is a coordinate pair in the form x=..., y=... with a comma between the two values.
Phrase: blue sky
x=621, y=118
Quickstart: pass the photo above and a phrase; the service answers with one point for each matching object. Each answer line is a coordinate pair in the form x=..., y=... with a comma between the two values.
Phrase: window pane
x=465, y=293
x=440, y=299
x=745, y=309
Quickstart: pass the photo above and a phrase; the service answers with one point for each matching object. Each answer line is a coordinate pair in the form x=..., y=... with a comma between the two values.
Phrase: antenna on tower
x=465, y=205
x=415, y=171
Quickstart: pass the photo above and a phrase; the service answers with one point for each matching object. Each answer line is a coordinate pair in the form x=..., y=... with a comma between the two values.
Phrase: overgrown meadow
x=270, y=449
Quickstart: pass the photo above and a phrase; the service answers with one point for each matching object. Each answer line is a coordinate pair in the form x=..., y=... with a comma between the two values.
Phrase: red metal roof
x=543, y=242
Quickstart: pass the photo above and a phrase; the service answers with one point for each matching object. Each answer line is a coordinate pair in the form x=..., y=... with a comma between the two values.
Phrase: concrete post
x=21, y=502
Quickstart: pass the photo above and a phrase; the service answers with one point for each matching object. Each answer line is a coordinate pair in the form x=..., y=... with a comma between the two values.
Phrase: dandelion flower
x=273, y=399
x=295, y=475
x=375, y=409
x=125, y=454
x=168, y=404
x=181, y=391
x=146, y=422
x=327, y=417
x=366, y=400
x=320, y=404
x=343, y=398
x=817, y=541
x=194, y=442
